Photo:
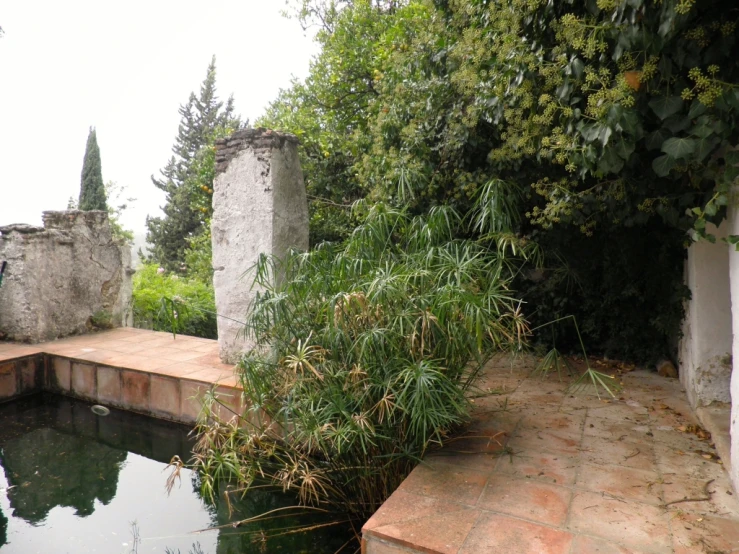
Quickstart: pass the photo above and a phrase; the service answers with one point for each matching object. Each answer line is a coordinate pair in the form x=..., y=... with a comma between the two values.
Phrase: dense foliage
x=365, y=351
x=187, y=179
x=623, y=283
x=92, y=188
x=163, y=301
x=601, y=115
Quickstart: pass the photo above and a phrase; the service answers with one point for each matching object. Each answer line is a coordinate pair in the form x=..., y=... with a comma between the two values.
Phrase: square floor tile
x=559, y=469
x=402, y=506
x=527, y=499
x=700, y=533
x=633, y=524
x=446, y=482
x=442, y=533
x=555, y=441
x=591, y=545
x=495, y=533
x=623, y=482
x=627, y=453
x=721, y=500
x=476, y=452
x=617, y=430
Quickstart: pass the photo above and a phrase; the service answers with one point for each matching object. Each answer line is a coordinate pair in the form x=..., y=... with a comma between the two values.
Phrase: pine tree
x=92, y=188
x=200, y=117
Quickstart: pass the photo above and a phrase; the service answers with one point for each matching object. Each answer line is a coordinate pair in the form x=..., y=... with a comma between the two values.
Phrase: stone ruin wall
x=64, y=278
x=259, y=207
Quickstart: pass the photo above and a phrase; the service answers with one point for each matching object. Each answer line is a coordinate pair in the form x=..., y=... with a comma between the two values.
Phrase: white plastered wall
x=733, y=229
x=706, y=345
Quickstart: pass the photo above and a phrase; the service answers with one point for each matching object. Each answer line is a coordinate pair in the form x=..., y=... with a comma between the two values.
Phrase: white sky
x=124, y=68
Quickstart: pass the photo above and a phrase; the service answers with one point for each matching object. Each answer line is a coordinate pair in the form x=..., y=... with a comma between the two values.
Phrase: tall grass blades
x=365, y=353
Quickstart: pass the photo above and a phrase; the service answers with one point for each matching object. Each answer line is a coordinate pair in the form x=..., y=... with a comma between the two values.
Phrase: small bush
x=166, y=302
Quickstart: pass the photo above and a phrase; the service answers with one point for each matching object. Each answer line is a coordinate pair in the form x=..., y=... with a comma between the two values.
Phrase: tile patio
x=541, y=471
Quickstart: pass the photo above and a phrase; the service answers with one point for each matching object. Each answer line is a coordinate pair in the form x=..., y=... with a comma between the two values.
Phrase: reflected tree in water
x=49, y=468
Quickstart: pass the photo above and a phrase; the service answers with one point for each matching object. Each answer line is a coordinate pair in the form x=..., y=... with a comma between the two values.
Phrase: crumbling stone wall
x=64, y=278
x=259, y=207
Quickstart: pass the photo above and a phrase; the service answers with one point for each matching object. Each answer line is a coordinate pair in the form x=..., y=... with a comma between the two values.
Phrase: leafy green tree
x=598, y=115
x=92, y=188
x=332, y=110
x=202, y=118
x=592, y=108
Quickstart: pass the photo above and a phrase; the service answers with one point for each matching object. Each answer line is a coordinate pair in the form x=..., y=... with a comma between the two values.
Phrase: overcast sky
x=124, y=68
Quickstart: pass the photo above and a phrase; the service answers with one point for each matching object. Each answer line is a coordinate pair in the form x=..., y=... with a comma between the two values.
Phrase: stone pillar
x=706, y=345
x=68, y=277
x=259, y=207
x=733, y=229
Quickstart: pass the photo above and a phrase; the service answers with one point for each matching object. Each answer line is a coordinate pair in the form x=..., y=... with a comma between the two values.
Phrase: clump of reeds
x=365, y=353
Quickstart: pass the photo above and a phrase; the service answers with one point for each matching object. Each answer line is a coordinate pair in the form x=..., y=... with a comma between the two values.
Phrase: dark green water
x=74, y=482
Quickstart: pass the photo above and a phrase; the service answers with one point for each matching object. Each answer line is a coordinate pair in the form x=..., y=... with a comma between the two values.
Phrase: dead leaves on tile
x=696, y=430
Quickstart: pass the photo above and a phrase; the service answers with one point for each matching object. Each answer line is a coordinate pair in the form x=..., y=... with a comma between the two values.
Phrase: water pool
x=75, y=482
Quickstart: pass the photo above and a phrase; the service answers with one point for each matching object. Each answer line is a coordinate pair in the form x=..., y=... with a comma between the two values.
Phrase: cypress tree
x=92, y=188
x=199, y=118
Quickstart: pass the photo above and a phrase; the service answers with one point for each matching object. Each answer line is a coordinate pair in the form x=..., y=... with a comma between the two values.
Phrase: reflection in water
x=47, y=468
x=71, y=481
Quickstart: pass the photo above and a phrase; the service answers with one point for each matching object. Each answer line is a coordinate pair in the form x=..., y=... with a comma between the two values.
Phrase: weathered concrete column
x=733, y=229
x=706, y=345
x=68, y=277
x=259, y=207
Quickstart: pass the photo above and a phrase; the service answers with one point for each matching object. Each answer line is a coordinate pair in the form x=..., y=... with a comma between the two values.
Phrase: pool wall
x=22, y=376
x=166, y=397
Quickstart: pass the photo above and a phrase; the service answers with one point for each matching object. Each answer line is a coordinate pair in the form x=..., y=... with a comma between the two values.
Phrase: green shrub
x=166, y=302
x=365, y=351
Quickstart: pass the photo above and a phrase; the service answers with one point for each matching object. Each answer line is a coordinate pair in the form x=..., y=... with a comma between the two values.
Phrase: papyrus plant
x=365, y=352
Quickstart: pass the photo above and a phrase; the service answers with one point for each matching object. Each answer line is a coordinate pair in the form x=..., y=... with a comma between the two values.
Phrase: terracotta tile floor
x=542, y=472
x=140, y=349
